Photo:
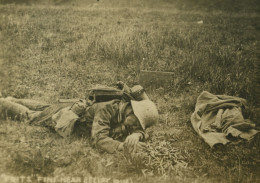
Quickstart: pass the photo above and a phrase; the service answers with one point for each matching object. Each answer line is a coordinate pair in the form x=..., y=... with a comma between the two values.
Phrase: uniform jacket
x=106, y=119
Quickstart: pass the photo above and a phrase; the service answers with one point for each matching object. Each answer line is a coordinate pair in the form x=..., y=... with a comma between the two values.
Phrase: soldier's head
x=140, y=115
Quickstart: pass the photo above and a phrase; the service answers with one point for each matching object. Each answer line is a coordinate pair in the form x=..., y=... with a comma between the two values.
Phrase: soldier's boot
x=12, y=110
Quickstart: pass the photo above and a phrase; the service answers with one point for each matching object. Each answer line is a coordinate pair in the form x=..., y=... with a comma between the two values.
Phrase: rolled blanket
x=218, y=117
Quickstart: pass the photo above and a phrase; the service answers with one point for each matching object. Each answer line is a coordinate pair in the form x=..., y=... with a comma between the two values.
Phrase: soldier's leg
x=12, y=110
x=29, y=103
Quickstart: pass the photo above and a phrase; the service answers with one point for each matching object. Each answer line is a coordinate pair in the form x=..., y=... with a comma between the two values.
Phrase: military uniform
x=103, y=121
x=107, y=119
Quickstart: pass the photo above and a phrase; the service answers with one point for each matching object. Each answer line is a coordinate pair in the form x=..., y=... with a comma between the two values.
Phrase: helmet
x=146, y=112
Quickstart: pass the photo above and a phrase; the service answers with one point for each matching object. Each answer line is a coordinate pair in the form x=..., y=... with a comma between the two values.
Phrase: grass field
x=58, y=49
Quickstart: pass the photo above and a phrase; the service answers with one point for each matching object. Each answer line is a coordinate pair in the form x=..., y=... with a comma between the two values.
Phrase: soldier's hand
x=132, y=140
x=140, y=146
x=120, y=147
x=120, y=85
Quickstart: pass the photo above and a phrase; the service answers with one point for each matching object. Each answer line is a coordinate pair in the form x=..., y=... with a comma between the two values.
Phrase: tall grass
x=220, y=54
x=60, y=50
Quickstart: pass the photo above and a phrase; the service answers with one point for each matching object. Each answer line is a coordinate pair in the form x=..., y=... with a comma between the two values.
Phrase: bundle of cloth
x=219, y=119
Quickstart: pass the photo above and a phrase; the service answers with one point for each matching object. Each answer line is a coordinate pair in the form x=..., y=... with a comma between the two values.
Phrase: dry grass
x=59, y=51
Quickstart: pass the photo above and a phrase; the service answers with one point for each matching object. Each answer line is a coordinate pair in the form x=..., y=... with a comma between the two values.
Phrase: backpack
x=105, y=93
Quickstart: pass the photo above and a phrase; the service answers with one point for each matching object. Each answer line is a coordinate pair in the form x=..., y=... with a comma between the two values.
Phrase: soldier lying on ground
x=111, y=125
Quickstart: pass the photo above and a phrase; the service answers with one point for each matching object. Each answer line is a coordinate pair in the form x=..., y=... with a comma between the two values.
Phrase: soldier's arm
x=100, y=130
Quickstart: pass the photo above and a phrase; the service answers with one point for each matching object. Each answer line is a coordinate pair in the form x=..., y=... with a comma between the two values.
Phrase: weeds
x=212, y=53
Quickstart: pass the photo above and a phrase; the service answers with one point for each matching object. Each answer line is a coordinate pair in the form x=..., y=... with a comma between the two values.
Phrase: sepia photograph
x=129, y=91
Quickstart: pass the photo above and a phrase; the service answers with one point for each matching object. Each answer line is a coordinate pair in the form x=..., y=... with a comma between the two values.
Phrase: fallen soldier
x=111, y=125
x=219, y=119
